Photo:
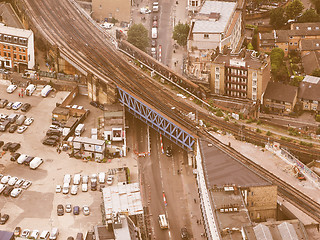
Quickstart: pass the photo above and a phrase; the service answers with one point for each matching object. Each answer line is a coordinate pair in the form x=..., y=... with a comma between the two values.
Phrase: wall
x=70, y=97
x=262, y=202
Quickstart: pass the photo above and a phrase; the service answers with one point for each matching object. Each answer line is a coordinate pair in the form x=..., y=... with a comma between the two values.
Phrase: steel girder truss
x=156, y=120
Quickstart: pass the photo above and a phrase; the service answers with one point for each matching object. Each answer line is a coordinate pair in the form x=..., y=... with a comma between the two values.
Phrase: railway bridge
x=78, y=44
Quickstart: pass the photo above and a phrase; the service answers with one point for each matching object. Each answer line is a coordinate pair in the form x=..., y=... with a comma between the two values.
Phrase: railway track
x=285, y=190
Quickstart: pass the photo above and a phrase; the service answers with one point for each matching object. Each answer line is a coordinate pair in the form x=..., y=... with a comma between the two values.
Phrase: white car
x=110, y=180
x=102, y=177
x=68, y=208
x=22, y=158
x=93, y=177
x=34, y=234
x=65, y=189
x=2, y=187
x=44, y=235
x=25, y=233
x=11, y=88
x=86, y=210
x=67, y=178
x=12, y=181
x=76, y=179
x=5, y=179
x=16, y=105
x=84, y=187
x=26, y=184
x=58, y=188
x=28, y=121
x=16, y=192
x=22, y=129
x=85, y=179
x=74, y=189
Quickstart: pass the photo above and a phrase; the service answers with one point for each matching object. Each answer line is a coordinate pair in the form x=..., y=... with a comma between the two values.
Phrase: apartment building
x=309, y=93
x=243, y=75
x=16, y=48
x=194, y=5
x=103, y=10
x=217, y=25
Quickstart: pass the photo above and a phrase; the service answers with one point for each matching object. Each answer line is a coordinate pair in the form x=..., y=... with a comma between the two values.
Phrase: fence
x=59, y=76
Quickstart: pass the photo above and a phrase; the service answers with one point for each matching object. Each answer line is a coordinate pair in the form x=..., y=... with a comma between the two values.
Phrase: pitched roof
x=310, y=61
x=225, y=9
x=310, y=44
x=309, y=91
x=280, y=92
x=282, y=35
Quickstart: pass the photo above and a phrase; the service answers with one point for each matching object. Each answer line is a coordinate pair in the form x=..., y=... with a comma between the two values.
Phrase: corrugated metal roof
x=311, y=79
x=287, y=231
x=262, y=232
x=226, y=9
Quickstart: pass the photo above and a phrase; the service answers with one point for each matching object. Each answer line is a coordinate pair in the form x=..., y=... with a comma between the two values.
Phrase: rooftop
x=217, y=13
x=220, y=169
x=15, y=31
x=280, y=92
x=310, y=45
x=309, y=90
x=311, y=79
x=310, y=61
x=89, y=140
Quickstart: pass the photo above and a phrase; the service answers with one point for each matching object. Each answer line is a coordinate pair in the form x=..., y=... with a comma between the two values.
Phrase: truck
x=155, y=7
x=154, y=33
x=80, y=128
x=46, y=90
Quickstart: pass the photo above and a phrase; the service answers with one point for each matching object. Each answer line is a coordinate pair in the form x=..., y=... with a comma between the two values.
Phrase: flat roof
x=89, y=140
x=221, y=169
x=226, y=9
x=15, y=31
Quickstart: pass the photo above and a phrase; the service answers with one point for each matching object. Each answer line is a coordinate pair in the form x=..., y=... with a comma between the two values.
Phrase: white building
x=93, y=148
x=17, y=48
x=218, y=24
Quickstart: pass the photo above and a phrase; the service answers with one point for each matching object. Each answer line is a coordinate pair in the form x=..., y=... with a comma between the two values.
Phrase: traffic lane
x=177, y=206
x=165, y=31
x=155, y=180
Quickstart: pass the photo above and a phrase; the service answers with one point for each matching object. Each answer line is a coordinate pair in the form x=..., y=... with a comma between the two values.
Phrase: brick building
x=309, y=93
x=16, y=48
x=108, y=9
x=242, y=75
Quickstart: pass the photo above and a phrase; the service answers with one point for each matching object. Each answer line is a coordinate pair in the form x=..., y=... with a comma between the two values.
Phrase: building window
x=291, y=43
x=15, y=39
x=194, y=3
x=9, y=38
x=254, y=83
x=297, y=28
x=309, y=28
x=290, y=37
x=14, y=56
x=5, y=37
x=206, y=36
x=254, y=75
x=217, y=69
x=5, y=54
x=217, y=76
x=9, y=54
x=24, y=57
x=286, y=49
x=100, y=6
x=317, y=28
x=295, y=43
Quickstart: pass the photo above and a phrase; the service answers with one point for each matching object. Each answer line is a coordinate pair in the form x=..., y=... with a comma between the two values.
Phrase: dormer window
x=206, y=36
x=309, y=28
x=297, y=28
x=317, y=28
x=317, y=44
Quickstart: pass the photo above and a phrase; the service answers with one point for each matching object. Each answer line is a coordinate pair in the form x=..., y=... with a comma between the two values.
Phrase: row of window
x=194, y=3
x=8, y=38
x=237, y=72
x=236, y=87
x=21, y=57
x=14, y=48
x=237, y=80
x=236, y=94
x=308, y=28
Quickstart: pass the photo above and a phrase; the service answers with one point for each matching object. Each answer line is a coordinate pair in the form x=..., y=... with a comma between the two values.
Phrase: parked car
x=7, y=191
x=16, y=192
x=12, y=181
x=110, y=180
x=14, y=147
x=76, y=210
x=68, y=208
x=13, y=128
x=19, y=183
x=28, y=121
x=25, y=233
x=58, y=188
x=3, y=103
x=102, y=186
x=50, y=142
x=86, y=210
x=16, y=105
x=22, y=158
x=4, y=218
x=15, y=156
x=17, y=231
x=11, y=88
x=22, y=129
x=53, y=137
x=60, y=210
x=28, y=160
x=102, y=177
x=5, y=179
x=84, y=187
x=54, y=234
x=1, y=143
x=2, y=187
x=34, y=234
x=93, y=186
x=26, y=184
x=6, y=146
x=25, y=107
x=85, y=179
x=65, y=189
x=51, y=132
x=94, y=103
x=44, y=235
x=9, y=105
x=74, y=189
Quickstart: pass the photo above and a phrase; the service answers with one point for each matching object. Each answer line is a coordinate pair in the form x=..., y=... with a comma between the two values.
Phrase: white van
x=54, y=234
x=163, y=221
x=11, y=88
x=30, y=89
x=79, y=129
x=20, y=120
x=76, y=179
x=36, y=162
x=46, y=90
x=22, y=158
x=102, y=177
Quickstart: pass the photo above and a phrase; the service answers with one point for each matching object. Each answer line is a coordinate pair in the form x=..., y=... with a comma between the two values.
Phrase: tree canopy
x=316, y=4
x=180, y=33
x=277, y=18
x=138, y=36
x=310, y=15
x=294, y=9
x=316, y=72
x=279, y=69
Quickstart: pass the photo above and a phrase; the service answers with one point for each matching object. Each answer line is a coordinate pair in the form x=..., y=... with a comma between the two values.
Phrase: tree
x=138, y=36
x=316, y=4
x=180, y=33
x=250, y=47
x=279, y=69
x=277, y=18
x=294, y=9
x=316, y=72
x=296, y=81
x=310, y=15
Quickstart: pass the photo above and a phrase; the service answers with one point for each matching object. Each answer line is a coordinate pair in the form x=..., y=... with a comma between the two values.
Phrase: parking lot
x=36, y=207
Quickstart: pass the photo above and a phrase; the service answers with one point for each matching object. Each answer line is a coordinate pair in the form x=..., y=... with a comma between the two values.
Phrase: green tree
x=180, y=33
x=316, y=72
x=279, y=69
x=310, y=15
x=250, y=47
x=316, y=4
x=294, y=9
x=278, y=18
x=138, y=36
x=296, y=81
